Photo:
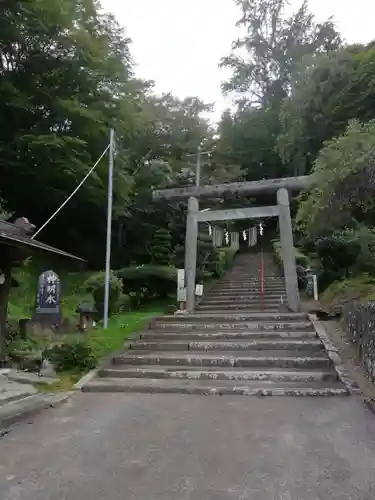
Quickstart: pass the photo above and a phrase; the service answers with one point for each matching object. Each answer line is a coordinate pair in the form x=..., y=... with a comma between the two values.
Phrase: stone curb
x=85, y=379
x=333, y=354
x=22, y=409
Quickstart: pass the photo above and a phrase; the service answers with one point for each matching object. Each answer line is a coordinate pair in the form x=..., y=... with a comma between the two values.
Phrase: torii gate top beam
x=255, y=187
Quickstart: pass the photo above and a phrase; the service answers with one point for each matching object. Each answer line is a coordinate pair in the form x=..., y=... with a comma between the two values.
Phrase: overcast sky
x=178, y=43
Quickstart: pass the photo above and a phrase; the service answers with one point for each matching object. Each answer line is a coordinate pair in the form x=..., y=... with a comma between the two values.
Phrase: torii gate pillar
x=191, y=241
x=288, y=250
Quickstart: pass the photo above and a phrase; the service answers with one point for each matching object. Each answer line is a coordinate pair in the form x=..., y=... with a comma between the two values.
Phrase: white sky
x=178, y=43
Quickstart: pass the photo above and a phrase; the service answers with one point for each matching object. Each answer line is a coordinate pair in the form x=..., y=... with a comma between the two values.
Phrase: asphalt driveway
x=176, y=447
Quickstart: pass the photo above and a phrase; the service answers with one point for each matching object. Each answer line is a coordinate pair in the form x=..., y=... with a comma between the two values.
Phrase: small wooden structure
x=16, y=244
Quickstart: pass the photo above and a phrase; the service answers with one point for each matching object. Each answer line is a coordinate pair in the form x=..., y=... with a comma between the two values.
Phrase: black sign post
x=48, y=298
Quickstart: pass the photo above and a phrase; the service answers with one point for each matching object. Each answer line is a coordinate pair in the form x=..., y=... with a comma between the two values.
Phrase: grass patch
x=120, y=327
x=360, y=288
x=104, y=342
x=66, y=383
x=101, y=342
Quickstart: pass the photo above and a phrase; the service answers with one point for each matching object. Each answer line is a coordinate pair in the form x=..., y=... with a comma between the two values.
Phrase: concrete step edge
x=26, y=407
x=241, y=335
x=227, y=344
x=203, y=373
x=252, y=316
x=154, y=386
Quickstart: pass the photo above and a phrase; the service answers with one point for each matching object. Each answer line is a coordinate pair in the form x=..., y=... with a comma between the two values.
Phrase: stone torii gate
x=282, y=210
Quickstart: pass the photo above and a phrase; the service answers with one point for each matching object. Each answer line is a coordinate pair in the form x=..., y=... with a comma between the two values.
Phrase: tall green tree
x=343, y=193
x=332, y=90
x=336, y=218
x=66, y=76
x=273, y=46
x=265, y=62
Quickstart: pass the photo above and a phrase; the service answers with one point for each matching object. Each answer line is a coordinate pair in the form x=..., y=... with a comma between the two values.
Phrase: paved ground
x=164, y=447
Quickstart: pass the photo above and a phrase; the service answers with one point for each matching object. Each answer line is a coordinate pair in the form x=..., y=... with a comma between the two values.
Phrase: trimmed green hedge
x=147, y=282
x=96, y=286
x=161, y=249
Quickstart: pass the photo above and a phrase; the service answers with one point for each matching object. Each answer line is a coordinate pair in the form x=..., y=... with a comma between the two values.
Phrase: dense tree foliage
x=67, y=76
x=298, y=88
x=274, y=44
x=265, y=63
x=343, y=195
x=331, y=90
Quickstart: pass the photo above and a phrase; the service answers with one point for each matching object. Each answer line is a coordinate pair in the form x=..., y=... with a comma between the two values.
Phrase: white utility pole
x=109, y=227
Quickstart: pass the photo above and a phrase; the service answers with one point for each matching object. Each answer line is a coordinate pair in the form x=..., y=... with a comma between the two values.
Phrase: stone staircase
x=235, y=343
x=241, y=287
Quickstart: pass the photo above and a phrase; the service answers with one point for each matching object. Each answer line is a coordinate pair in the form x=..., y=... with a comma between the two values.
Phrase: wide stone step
x=231, y=317
x=246, y=296
x=245, y=293
x=214, y=373
x=219, y=310
x=232, y=306
x=247, y=288
x=243, y=299
x=245, y=388
x=202, y=335
x=250, y=280
x=228, y=344
x=254, y=293
x=281, y=358
x=250, y=275
x=265, y=326
x=250, y=304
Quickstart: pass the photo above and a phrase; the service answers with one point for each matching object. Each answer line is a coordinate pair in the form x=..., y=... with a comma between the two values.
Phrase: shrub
x=75, y=356
x=356, y=289
x=124, y=303
x=206, y=254
x=149, y=281
x=179, y=256
x=17, y=347
x=301, y=259
x=229, y=255
x=161, y=248
x=96, y=286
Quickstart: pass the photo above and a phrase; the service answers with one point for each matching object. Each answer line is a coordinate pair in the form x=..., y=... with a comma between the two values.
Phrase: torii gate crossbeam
x=282, y=210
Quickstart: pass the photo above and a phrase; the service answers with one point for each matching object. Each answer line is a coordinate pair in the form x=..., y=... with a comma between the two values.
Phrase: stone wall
x=359, y=321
